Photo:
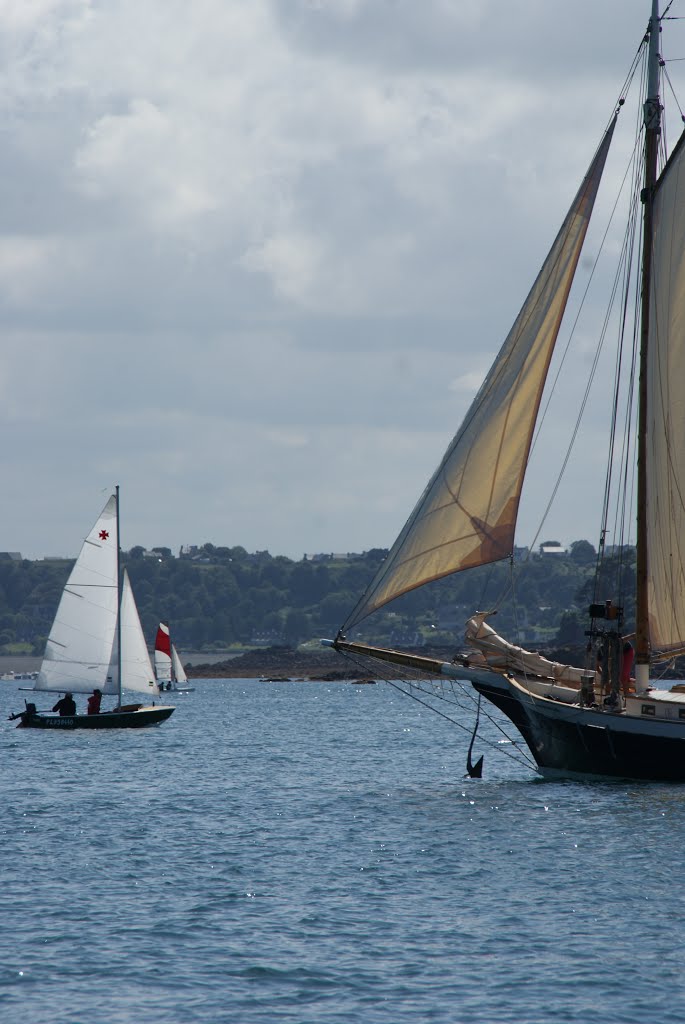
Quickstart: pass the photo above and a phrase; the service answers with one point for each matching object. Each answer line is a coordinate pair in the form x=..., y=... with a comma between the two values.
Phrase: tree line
x=222, y=596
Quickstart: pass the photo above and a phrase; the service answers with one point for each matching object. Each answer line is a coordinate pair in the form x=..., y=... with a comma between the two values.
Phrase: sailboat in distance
x=604, y=716
x=96, y=642
x=169, y=671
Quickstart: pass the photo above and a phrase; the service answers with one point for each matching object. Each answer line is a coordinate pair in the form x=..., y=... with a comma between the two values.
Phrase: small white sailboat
x=597, y=717
x=96, y=619
x=169, y=671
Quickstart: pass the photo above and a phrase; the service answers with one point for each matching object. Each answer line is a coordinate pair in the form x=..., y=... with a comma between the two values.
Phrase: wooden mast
x=652, y=121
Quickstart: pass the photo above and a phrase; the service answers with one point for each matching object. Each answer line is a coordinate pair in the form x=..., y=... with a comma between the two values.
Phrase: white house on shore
x=552, y=547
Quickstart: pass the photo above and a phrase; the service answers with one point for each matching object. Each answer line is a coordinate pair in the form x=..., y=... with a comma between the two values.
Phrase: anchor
x=474, y=771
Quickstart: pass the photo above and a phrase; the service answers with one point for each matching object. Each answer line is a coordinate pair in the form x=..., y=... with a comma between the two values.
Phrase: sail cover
x=79, y=647
x=665, y=461
x=467, y=514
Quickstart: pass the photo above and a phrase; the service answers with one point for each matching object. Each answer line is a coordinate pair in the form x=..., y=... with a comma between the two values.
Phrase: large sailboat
x=96, y=643
x=604, y=716
x=169, y=671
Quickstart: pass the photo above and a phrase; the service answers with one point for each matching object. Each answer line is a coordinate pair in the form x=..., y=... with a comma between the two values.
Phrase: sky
x=257, y=255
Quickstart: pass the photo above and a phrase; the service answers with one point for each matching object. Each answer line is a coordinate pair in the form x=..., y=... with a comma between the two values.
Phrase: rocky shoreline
x=281, y=663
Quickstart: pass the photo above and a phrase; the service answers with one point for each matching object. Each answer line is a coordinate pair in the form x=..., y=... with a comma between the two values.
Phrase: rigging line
x=632, y=232
x=583, y=299
x=514, y=740
x=519, y=757
x=593, y=368
x=522, y=757
x=622, y=511
x=597, y=353
x=516, y=570
x=473, y=700
x=629, y=462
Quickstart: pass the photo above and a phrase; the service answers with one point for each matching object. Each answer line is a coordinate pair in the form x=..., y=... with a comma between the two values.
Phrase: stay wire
x=521, y=756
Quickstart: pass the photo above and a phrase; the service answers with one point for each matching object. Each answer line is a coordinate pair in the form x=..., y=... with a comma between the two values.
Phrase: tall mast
x=652, y=121
x=116, y=493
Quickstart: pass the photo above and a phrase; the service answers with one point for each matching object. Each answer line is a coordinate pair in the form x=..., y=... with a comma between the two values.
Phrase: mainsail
x=665, y=463
x=163, y=653
x=79, y=647
x=168, y=665
x=467, y=514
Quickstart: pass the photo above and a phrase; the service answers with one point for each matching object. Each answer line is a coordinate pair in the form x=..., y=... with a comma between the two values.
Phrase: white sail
x=136, y=668
x=665, y=462
x=467, y=514
x=79, y=647
x=178, y=670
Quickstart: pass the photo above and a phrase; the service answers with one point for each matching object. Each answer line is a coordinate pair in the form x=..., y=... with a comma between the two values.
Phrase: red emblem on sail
x=103, y=535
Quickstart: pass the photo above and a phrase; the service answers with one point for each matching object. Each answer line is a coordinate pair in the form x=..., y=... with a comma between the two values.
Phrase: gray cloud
x=255, y=257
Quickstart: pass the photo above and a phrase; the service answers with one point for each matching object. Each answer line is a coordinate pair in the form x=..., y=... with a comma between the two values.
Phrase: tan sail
x=467, y=514
x=665, y=461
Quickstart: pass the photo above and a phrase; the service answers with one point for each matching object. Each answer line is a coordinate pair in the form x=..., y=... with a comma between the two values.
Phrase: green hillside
x=218, y=597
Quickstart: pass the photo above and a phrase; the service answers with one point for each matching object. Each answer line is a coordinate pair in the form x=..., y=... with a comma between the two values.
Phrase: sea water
x=310, y=852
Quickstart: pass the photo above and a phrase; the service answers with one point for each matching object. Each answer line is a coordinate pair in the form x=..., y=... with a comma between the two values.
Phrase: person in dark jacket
x=65, y=706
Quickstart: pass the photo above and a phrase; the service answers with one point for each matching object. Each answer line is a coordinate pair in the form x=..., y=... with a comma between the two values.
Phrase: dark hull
x=575, y=741
x=134, y=719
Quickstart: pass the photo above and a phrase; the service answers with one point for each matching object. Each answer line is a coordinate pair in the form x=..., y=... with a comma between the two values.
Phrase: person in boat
x=66, y=706
x=94, y=702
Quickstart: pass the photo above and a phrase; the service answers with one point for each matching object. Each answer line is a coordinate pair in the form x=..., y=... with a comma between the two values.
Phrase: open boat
x=594, y=718
x=169, y=671
x=96, y=641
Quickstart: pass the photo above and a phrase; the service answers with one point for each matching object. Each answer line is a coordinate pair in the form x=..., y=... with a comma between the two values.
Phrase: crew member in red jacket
x=94, y=702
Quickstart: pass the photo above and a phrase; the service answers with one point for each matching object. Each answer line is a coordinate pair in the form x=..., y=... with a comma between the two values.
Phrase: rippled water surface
x=310, y=852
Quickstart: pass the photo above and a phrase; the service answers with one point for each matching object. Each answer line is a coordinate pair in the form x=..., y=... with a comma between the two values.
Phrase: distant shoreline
x=261, y=663
x=278, y=663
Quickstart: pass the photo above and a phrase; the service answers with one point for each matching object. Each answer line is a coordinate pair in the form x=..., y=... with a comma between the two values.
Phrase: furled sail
x=79, y=647
x=467, y=514
x=665, y=463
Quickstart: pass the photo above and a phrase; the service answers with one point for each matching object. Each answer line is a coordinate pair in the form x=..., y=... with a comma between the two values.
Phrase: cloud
x=253, y=256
